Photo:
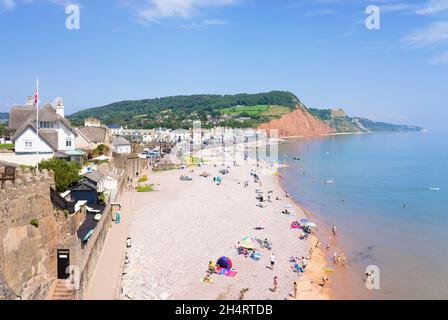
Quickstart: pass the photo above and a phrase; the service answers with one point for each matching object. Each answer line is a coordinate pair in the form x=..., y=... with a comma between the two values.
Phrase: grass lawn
x=8, y=146
x=258, y=110
x=250, y=110
x=275, y=111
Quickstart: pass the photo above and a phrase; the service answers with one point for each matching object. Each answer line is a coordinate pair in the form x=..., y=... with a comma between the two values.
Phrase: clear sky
x=320, y=50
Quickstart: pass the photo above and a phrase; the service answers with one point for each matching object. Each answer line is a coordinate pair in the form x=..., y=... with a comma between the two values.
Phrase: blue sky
x=320, y=50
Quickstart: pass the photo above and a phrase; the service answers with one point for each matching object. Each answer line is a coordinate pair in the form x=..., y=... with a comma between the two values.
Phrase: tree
x=100, y=150
x=66, y=173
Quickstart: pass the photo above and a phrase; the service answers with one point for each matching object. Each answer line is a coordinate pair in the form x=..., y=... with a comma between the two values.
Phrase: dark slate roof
x=95, y=176
x=94, y=134
x=84, y=186
x=114, y=126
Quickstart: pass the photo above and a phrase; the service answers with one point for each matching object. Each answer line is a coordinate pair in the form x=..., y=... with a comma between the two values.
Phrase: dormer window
x=68, y=142
x=46, y=125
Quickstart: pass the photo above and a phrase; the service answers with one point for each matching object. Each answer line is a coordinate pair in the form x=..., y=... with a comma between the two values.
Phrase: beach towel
x=295, y=225
x=231, y=273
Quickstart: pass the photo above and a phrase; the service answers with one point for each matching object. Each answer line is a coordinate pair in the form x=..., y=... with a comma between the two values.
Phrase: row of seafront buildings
x=197, y=136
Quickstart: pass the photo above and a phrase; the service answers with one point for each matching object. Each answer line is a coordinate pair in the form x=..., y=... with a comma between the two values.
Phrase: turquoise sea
x=389, y=201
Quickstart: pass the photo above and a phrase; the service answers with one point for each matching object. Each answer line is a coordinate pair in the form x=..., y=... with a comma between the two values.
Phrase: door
x=63, y=263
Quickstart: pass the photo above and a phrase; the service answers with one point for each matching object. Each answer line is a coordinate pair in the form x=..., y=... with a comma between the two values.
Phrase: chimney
x=60, y=107
x=29, y=101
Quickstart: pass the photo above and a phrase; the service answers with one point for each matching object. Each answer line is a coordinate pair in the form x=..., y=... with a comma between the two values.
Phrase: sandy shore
x=179, y=228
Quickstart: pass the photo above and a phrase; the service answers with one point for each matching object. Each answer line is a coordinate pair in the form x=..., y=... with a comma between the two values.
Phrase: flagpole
x=37, y=118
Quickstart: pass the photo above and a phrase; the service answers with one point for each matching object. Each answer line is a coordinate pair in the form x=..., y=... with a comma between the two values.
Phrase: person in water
x=333, y=229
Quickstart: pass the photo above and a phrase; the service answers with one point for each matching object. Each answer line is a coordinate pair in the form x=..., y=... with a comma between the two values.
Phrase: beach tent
x=247, y=243
x=225, y=263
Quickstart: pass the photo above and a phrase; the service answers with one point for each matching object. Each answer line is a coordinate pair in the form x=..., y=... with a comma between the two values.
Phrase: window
x=46, y=124
x=68, y=142
x=28, y=144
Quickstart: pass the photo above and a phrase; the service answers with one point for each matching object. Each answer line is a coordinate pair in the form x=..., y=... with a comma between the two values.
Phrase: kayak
x=88, y=235
x=328, y=269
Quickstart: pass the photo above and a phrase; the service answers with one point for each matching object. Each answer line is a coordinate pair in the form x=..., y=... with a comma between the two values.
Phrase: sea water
x=388, y=196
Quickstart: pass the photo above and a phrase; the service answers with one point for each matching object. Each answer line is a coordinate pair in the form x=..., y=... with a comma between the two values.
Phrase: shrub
x=145, y=188
x=102, y=198
x=143, y=179
x=66, y=173
x=35, y=223
x=101, y=149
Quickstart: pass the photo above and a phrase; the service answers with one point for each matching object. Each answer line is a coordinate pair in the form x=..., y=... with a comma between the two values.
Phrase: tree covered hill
x=239, y=110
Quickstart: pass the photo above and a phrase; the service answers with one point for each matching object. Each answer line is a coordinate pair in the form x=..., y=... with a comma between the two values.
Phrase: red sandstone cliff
x=298, y=123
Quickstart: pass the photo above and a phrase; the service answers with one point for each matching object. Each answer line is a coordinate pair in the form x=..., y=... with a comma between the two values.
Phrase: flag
x=36, y=94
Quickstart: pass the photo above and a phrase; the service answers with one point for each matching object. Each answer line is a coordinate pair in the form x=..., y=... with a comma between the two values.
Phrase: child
x=274, y=289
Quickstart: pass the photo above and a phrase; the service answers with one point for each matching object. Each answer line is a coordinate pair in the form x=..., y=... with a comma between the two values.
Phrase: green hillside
x=240, y=110
x=237, y=111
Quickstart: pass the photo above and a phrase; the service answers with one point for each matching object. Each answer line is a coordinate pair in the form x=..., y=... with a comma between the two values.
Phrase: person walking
x=117, y=217
x=295, y=290
x=272, y=261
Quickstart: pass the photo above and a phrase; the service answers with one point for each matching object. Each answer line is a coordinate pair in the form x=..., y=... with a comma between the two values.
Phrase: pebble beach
x=182, y=225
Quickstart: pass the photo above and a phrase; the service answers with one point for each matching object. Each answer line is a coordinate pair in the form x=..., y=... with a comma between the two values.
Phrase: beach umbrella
x=247, y=243
x=101, y=158
x=303, y=221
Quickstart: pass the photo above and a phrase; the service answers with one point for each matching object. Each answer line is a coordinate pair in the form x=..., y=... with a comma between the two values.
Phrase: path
x=104, y=282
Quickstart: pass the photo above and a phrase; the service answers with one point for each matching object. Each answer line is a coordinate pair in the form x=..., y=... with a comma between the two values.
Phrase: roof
x=84, y=186
x=114, y=126
x=51, y=137
x=95, y=176
x=94, y=134
x=19, y=115
x=120, y=142
x=25, y=117
x=48, y=136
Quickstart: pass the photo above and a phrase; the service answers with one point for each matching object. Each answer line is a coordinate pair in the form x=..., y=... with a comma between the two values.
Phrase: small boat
x=88, y=235
x=434, y=189
x=331, y=181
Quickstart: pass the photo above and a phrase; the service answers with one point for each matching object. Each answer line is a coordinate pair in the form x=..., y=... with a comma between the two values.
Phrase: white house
x=179, y=135
x=121, y=145
x=55, y=133
x=115, y=129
